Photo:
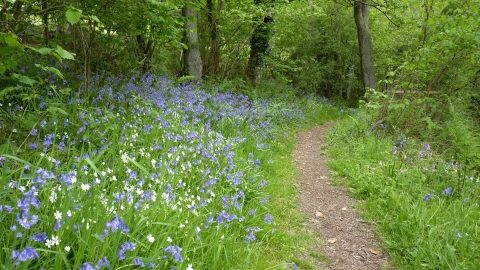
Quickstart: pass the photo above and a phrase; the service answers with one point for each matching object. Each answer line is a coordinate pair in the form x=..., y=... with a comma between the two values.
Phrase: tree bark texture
x=259, y=45
x=213, y=58
x=192, y=61
x=46, y=31
x=145, y=51
x=365, y=43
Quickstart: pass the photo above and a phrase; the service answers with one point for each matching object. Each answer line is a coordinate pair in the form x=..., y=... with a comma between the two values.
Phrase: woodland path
x=347, y=243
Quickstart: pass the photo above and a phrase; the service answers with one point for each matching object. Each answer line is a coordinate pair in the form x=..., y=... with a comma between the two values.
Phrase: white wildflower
x=57, y=215
x=85, y=187
x=53, y=196
x=55, y=240
x=49, y=243
x=150, y=238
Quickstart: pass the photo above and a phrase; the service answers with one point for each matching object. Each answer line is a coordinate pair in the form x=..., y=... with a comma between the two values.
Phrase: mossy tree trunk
x=192, y=61
x=259, y=45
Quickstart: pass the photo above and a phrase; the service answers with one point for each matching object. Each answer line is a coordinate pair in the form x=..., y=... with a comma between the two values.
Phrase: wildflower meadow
x=144, y=173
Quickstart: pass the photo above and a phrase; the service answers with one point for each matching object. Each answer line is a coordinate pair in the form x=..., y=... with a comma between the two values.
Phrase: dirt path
x=348, y=243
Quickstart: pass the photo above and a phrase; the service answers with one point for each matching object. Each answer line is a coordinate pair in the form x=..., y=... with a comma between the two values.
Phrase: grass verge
x=425, y=208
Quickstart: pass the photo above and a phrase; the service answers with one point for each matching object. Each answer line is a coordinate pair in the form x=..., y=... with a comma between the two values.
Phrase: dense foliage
x=423, y=203
x=98, y=123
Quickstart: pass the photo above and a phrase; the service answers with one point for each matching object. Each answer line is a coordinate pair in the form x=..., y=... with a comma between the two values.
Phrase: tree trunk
x=365, y=43
x=46, y=31
x=192, y=62
x=259, y=45
x=350, y=76
x=428, y=10
x=213, y=59
x=17, y=9
x=145, y=51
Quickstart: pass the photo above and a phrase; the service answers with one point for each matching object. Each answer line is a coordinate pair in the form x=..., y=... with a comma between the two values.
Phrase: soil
x=345, y=241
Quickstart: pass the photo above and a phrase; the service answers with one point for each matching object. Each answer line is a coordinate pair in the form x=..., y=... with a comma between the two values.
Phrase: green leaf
x=7, y=148
x=50, y=69
x=95, y=18
x=44, y=51
x=25, y=79
x=12, y=41
x=89, y=161
x=56, y=110
x=19, y=160
x=31, y=48
x=137, y=164
x=6, y=50
x=73, y=15
x=99, y=238
x=3, y=68
x=6, y=92
x=65, y=91
x=53, y=53
x=63, y=53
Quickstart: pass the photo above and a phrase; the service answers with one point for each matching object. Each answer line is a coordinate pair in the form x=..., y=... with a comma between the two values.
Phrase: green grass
x=292, y=238
x=146, y=172
x=422, y=223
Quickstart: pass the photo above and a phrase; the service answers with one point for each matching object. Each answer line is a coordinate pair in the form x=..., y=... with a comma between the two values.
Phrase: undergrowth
x=416, y=166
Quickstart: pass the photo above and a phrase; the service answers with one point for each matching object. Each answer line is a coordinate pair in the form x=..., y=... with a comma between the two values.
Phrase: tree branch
x=375, y=5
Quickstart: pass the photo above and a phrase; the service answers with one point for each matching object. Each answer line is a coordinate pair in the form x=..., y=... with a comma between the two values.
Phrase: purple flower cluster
x=24, y=255
x=268, y=219
x=39, y=237
x=103, y=262
x=113, y=226
x=293, y=265
x=251, y=234
x=123, y=248
x=175, y=251
x=25, y=219
x=447, y=191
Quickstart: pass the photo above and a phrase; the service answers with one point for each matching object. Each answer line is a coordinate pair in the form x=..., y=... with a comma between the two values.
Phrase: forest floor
x=342, y=237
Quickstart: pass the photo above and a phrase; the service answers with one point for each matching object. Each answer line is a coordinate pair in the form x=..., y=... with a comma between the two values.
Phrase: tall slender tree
x=212, y=65
x=365, y=44
x=192, y=61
